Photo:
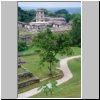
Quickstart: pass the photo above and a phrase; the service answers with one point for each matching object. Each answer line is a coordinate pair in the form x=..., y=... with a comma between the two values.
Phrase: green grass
x=23, y=32
x=31, y=50
x=20, y=70
x=70, y=89
x=76, y=51
x=41, y=71
x=38, y=84
x=33, y=65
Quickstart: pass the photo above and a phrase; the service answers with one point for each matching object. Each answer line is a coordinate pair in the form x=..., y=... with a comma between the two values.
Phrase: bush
x=22, y=46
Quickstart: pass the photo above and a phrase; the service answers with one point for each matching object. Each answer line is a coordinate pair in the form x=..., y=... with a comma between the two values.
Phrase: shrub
x=22, y=46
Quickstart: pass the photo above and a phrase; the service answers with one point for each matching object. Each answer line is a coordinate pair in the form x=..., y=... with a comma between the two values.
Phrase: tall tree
x=50, y=45
x=76, y=31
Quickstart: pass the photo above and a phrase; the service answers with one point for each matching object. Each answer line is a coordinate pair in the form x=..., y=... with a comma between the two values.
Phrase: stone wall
x=28, y=82
x=24, y=75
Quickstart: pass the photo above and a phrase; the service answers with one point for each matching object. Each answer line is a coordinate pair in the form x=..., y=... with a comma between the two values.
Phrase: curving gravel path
x=67, y=75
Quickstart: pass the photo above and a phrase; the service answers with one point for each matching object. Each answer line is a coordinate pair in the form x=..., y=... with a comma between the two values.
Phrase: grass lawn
x=33, y=65
x=31, y=50
x=20, y=70
x=32, y=86
x=23, y=32
x=76, y=51
x=70, y=89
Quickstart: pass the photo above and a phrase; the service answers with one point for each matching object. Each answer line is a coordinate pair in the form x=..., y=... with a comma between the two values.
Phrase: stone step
x=28, y=82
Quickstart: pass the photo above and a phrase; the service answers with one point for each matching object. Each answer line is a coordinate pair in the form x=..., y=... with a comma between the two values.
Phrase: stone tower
x=40, y=15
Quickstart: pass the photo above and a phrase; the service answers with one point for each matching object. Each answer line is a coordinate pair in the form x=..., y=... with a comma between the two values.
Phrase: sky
x=48, y=4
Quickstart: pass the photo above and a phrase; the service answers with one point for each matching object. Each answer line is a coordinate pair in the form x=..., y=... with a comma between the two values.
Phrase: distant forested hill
x=26, y=16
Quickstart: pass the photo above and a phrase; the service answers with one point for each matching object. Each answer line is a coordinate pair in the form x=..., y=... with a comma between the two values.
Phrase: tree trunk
x=50, y=69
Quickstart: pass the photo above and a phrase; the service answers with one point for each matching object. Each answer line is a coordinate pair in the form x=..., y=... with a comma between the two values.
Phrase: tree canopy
x=26, y=16
x=22, y=45
x=50, y=45
x=75, y=33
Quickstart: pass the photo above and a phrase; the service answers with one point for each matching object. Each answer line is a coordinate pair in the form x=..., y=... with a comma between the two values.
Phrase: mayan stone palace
x=41, y=22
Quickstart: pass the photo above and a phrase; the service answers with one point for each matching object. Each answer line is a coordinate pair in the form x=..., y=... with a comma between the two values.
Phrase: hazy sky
x=49, y=4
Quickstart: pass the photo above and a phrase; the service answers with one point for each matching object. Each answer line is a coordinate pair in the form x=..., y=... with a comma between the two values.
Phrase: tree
x=22, y=45
x=75, y=34
x=63, y=13
x=50, y=45
x=26, y=15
